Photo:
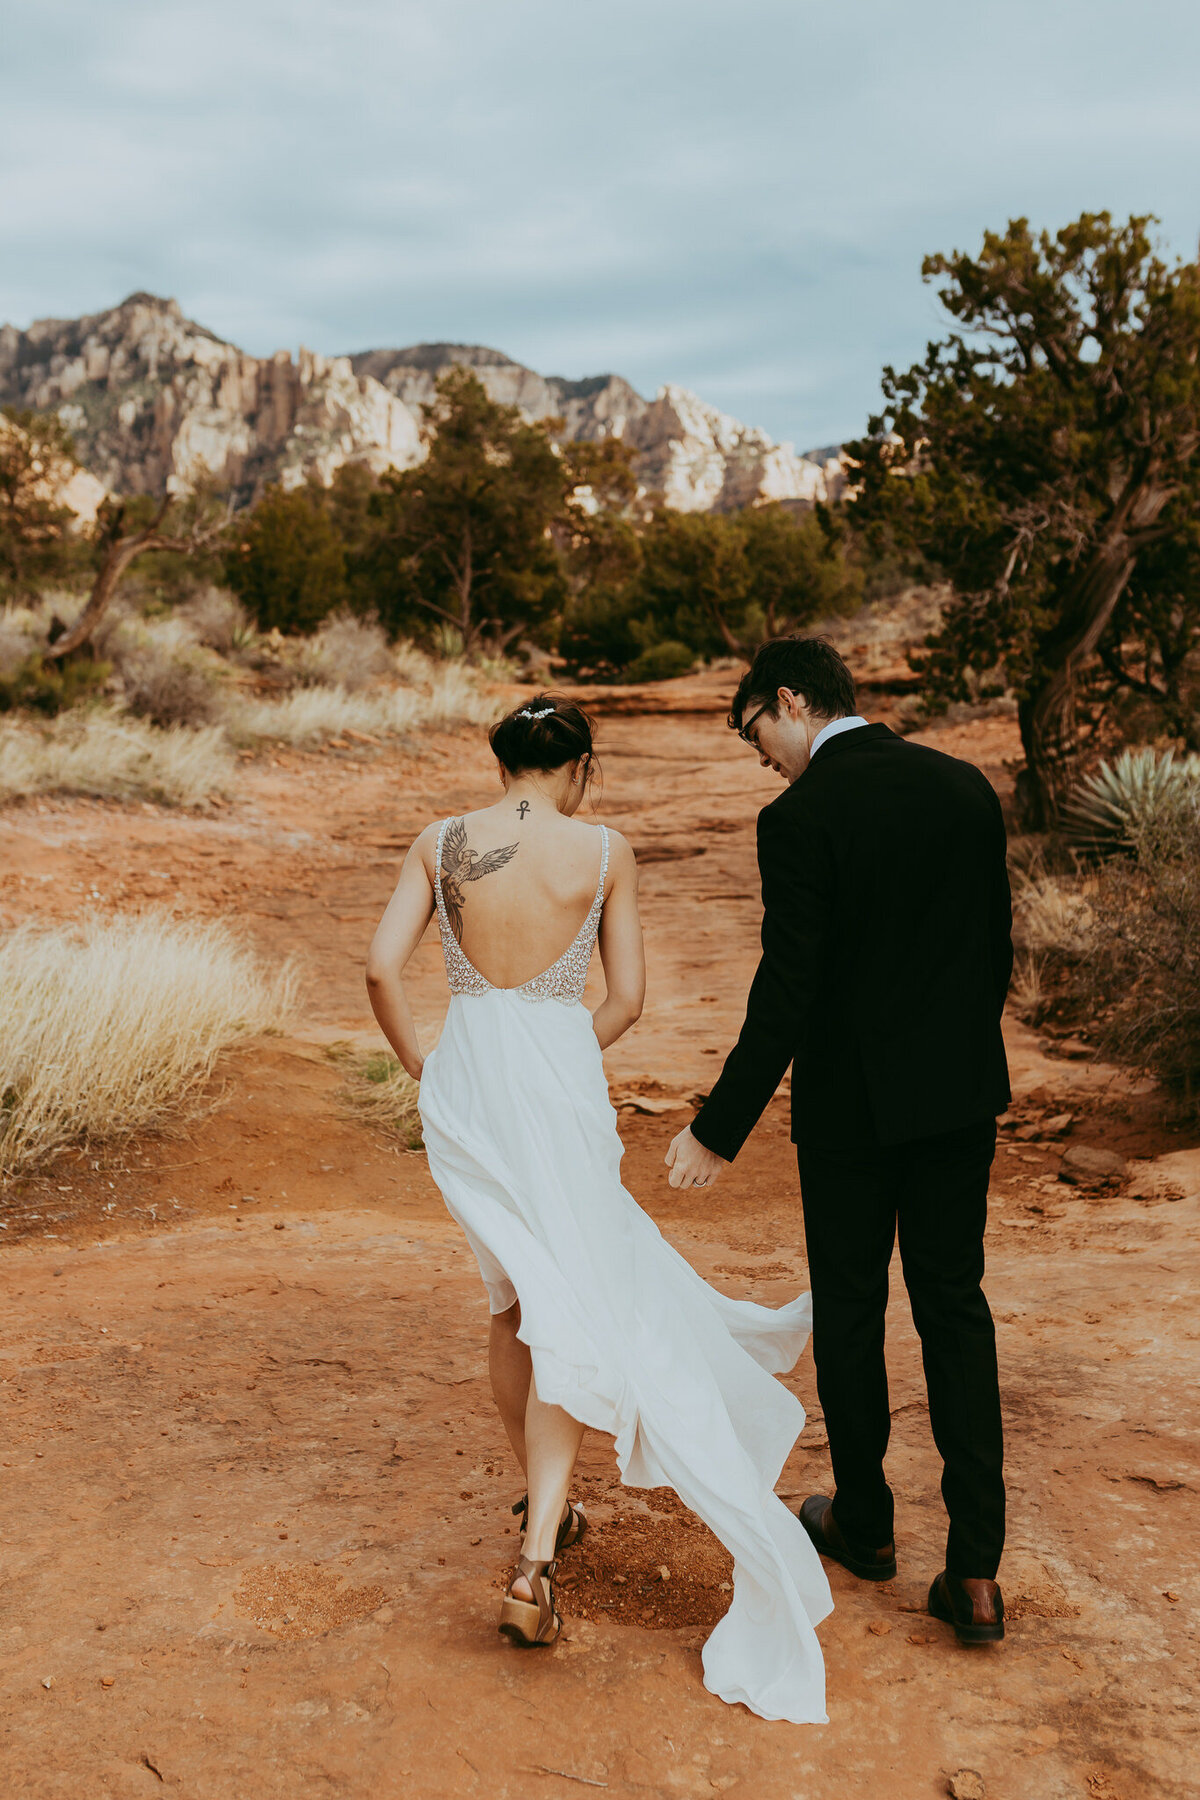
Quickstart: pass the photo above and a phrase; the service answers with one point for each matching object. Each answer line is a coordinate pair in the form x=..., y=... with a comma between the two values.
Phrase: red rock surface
x=254, y=1501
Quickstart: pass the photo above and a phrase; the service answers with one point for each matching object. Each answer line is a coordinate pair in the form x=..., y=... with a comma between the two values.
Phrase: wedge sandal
x=533, y=1624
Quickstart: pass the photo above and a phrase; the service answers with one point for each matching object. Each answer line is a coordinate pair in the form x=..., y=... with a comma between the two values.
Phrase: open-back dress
x=623, y=1334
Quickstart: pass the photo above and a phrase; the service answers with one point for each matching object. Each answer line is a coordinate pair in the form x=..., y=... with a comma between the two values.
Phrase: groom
x=886, y=955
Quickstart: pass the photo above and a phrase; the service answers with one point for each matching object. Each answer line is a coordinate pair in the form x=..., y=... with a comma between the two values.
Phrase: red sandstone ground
x=253, y=1497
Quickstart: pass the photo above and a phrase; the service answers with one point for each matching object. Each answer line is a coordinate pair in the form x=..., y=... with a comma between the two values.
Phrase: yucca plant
x=1142, y=791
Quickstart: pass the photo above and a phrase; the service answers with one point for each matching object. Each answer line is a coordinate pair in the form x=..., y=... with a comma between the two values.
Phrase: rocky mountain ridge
x=156, y=402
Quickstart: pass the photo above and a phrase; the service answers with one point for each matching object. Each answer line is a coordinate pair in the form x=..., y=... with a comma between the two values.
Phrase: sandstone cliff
x=156, y=403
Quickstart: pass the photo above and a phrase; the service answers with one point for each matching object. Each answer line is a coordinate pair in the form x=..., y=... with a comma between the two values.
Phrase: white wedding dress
x=522, y=1141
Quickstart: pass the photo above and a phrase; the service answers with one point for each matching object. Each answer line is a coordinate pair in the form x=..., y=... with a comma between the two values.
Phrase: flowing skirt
x=623, y=1334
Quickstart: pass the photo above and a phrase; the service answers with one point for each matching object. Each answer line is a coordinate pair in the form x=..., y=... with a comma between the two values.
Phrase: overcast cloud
x=734, y=196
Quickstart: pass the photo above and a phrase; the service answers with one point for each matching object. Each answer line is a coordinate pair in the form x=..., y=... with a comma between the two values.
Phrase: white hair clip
x=527, y=712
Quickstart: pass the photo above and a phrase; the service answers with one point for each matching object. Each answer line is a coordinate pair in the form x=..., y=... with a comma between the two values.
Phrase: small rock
x=279, y=1225
x=664, y=1574
x=107, y=1680
x=966, y=1784
x=879, y=1627
x=1086, y=1166
x=1169, y=1594
x=1059, y=1125
x=1028, y=1133
x=1074, y=1050
x=919, y=1637
x=48, y=1682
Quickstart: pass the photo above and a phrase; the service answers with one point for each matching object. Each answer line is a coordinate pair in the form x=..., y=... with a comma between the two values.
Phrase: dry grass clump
x=102, y=754
x=105, y=1028
x=453, y=696
x=379, y=1092
x=346, y=652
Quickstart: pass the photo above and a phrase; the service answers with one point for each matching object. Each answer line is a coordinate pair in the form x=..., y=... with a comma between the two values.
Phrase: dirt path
x=254, y=1500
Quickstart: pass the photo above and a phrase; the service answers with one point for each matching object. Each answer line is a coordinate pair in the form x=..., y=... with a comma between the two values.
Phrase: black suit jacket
x=887, y=952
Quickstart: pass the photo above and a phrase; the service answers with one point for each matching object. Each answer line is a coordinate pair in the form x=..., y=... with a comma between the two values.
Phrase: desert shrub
x=1142, y=792
x=219, y=620
x=379, y=1092
x=170, y=689
x=49, y=688
x=102, y=754
x=106, y=1027
x=346, y=652
x=1142, y=976
x=660, y=662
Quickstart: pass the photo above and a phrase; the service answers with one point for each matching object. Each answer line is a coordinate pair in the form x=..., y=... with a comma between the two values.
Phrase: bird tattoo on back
x=461, y=864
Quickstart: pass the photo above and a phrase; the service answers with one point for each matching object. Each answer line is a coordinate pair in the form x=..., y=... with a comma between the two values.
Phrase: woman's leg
x=511, y=1372
x=552, y=1440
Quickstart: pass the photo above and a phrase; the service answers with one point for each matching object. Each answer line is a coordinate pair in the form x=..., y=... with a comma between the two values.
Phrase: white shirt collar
x=832, y=729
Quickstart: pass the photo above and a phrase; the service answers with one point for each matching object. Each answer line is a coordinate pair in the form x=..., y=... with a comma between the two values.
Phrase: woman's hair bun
x=546, y=732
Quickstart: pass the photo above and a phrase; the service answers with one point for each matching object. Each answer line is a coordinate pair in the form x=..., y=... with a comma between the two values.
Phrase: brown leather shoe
x=974, y=1607
x=816, y=1516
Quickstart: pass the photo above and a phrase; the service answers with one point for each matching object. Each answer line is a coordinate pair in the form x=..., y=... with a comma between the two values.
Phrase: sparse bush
x=345, y=652
x=170, y=690
x=1142, y=978
x=219, y=620
x=126, y=759
x=379, y=1092
x=661, y=662
x=105, y=1028
x=1142, y=792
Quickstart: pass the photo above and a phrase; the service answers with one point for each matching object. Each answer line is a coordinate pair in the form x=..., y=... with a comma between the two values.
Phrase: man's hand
x=691, y=1165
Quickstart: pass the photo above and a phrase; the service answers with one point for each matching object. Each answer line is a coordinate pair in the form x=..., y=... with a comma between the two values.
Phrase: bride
x=595, y=1319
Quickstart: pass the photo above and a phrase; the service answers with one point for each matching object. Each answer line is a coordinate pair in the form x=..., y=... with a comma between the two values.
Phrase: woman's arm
x=400, y=931
x=622, y=952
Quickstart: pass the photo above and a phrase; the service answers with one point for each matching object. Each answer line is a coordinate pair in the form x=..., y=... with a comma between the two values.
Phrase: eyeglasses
x=744, y=727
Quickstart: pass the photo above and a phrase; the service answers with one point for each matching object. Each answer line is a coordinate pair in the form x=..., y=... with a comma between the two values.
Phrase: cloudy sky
x=732, y=194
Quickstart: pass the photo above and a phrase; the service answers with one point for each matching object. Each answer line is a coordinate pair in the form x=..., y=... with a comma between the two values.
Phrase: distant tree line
x=1042, y=460
x=503, y=534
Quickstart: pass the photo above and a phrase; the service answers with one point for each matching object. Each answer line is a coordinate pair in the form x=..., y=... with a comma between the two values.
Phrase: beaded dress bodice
x=565, y=978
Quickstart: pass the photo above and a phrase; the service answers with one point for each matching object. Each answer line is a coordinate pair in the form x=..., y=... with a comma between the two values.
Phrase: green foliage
x=661, y=662
x=1142, y=793
x=714, y=583
x=51, y=688
x=1041, y=457
x=465, y=536
x=287, y=563
x=37, y=543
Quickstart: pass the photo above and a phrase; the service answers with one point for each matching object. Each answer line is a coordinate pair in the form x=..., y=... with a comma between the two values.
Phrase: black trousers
x=935, y=1190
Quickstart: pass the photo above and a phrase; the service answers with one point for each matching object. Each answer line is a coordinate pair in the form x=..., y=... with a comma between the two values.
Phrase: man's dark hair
x=810, y=666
